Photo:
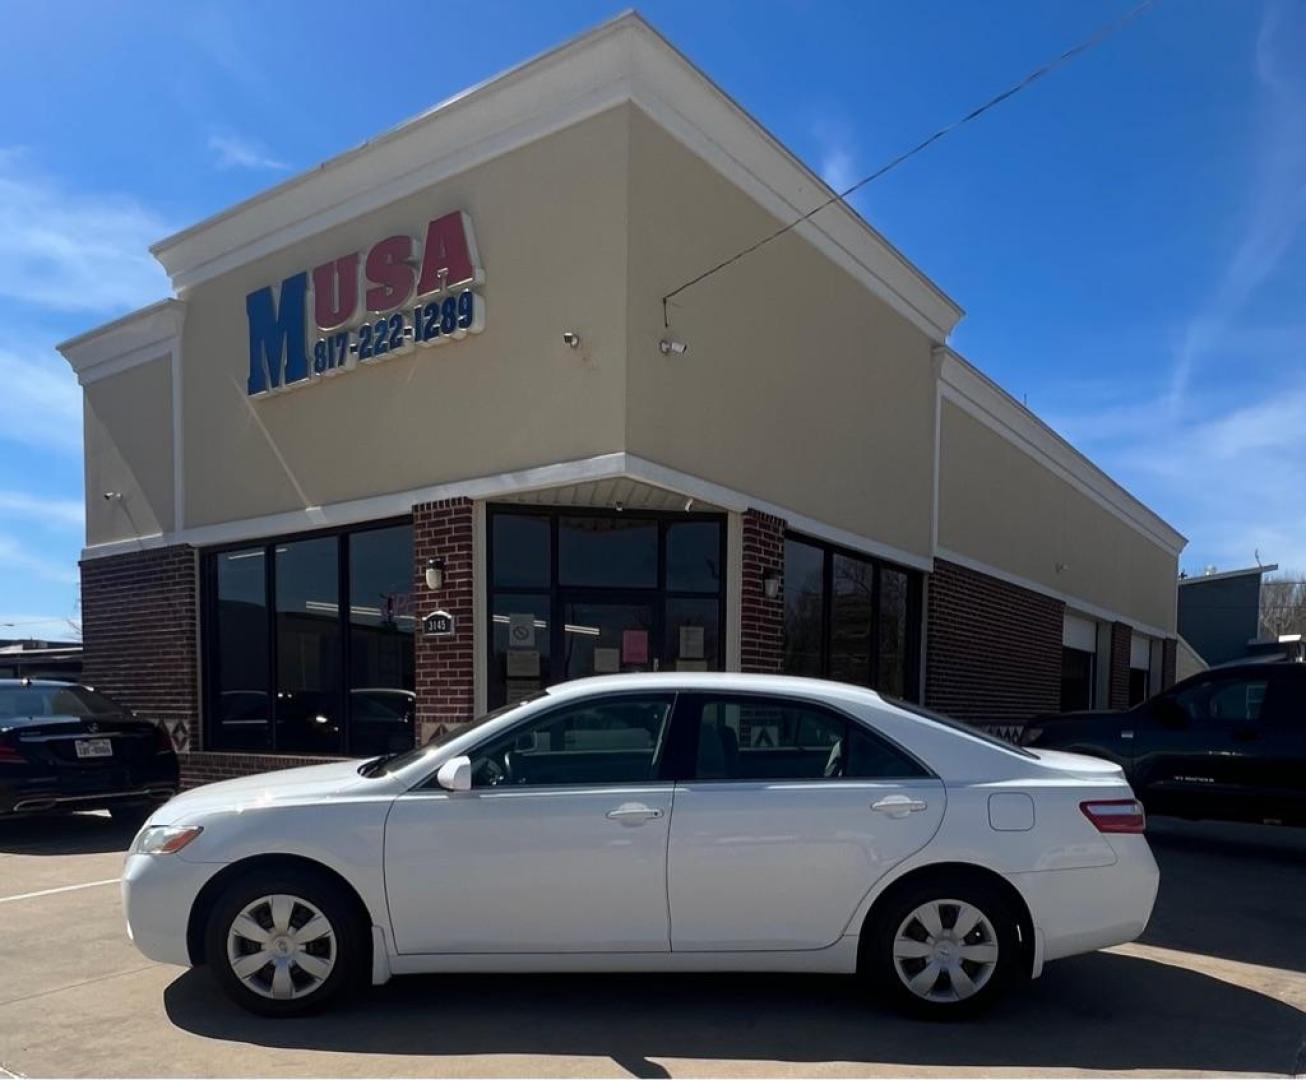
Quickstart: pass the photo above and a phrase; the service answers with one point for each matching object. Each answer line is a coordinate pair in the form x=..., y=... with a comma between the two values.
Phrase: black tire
x=346, y=952
x=1000, y=926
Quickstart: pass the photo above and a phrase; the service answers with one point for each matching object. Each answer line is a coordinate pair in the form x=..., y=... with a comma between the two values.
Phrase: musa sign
x=405, y=292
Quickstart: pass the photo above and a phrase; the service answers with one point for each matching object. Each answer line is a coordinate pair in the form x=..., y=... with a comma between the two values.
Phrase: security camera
x=670, y=345
x=109, y=496
x=571, y=339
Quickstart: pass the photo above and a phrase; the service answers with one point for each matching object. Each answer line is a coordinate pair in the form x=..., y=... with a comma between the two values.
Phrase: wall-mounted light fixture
x=112, y=496
x=672, y=345
x=435, y=574
x=571, y=339
x=771, y=583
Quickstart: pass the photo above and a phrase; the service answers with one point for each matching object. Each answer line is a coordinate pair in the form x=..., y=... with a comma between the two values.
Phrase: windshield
x=80, y=701
x=394, y=762
x=958, y=725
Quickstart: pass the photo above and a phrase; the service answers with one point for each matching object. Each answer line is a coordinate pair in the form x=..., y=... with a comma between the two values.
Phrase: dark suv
x=66, y=747
x=1229, y=744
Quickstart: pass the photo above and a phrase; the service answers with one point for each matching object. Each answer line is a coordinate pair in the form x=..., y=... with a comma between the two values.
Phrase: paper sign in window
x=691, y=643
x=523, y=664
x=634, y=646
x=521, y=631
x=606, y=661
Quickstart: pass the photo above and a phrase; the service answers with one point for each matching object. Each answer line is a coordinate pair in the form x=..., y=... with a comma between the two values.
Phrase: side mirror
x=455, y=774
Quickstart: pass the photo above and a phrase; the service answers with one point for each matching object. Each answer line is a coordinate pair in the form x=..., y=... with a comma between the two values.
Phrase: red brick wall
x=761, y=620
x=1169, y=656
x=444, y=665
x=1117, y=687
x=993, y=650
x=140, y=631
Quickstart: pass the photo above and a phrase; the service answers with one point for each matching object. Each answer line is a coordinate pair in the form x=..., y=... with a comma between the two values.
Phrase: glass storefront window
x=242, y=699
x=852, y=603
x=313, y=674
x=612, y=552
x=804, y=593
x=382, y=622
x=851, y=617
x=307, y=575
x=632, y=593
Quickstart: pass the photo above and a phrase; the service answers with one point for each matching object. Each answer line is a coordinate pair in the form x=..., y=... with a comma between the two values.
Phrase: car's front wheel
x=284, y=942
x=944, y=950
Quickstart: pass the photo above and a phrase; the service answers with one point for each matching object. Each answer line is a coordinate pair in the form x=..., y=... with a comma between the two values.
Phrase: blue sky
x=1126, y=237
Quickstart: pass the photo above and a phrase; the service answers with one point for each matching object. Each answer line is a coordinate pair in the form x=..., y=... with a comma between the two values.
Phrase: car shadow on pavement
x=64, y=834
x=1226, y=890
x=1102, y=1011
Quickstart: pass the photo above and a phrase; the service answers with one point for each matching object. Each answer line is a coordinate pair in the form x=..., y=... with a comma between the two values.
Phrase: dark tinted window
x=612, y=740
x=756, y=738
x=240, y=670
x=693, y=633
x=308, y=646
x=1223, y=701
x=804, y=591
x=381, y=627
x=694, y=557
x=614, y=551
x=54, y=701
x=1076, y=679
x=851, y=615
x=892, y=638
x=522, y=551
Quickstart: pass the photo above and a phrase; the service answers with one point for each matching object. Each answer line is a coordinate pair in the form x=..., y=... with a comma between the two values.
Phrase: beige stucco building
x=436, y=374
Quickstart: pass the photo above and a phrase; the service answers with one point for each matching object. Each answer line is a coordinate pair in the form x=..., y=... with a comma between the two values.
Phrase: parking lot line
x=61, y=888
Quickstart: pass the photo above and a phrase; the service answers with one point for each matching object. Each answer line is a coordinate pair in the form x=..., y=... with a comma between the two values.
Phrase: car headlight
x=165, y=839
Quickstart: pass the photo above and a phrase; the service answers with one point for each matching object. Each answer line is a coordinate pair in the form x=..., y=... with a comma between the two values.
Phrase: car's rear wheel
x=284, y=942
x=944, y=950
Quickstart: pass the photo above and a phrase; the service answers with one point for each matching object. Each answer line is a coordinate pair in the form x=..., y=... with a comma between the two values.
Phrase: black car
x=1228, y=744
x=67, y=747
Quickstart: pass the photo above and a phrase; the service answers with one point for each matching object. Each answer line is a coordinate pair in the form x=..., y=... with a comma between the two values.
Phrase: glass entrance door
x=605, y=637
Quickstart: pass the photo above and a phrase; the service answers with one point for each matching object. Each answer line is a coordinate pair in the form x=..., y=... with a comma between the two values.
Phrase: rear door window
x=755, y=737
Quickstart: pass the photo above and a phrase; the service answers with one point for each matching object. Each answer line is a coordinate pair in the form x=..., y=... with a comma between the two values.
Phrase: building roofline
x=622, y=60
x=975, y=393
x=1223, y=574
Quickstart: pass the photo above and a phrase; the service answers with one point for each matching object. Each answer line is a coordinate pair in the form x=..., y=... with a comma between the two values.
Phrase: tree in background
x=1283, y=604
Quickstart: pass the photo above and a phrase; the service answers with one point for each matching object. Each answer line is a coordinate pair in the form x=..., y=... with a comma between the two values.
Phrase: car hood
x=1080, y=765
x=285, y=786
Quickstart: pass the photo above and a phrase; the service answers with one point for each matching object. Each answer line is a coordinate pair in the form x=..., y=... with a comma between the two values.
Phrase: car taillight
x=1115, y=815
x=162, y=740
x=10, y=754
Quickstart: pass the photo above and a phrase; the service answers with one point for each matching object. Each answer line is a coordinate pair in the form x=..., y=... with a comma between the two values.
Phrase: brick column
x=443, y=530
x=139, y=630
x=761, y=621
x=994, y=649
x=1169, y=656
x=1117, y=692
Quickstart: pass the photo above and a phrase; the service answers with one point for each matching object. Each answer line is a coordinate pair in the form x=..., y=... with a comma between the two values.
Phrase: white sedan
x=673, y=822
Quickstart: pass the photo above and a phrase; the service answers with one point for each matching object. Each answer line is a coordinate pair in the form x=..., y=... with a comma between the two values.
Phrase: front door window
x=574, y=593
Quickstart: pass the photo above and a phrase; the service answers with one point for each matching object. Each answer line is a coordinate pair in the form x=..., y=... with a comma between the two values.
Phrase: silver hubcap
x=281, y=947
x=945, y=950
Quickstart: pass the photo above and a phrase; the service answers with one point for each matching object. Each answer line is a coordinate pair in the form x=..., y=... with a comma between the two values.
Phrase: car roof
x=714, y=682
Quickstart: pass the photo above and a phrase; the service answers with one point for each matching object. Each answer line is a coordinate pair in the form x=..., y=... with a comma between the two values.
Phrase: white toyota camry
x=674, y=822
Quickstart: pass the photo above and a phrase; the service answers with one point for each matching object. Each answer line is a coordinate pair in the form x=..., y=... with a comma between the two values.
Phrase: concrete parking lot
x=1217, y=985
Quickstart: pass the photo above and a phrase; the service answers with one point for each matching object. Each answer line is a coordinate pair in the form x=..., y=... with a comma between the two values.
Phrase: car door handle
x=899, y=805
x=634, y=813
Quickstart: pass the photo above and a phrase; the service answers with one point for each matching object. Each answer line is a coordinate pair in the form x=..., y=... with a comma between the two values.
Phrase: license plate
x=87, y=748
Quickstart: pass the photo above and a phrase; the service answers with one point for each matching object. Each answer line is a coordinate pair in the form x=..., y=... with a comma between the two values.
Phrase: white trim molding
x=1074, y=604
x=1223, y=575
x=980, y=397
x=488, y=488
x=623, y=60
x=148, y=334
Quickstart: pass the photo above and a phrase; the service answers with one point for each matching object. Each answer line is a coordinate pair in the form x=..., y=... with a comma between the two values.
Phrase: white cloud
x=1276, y=203
x=64, y=513
x=74, y=252
x=14, y=556
x=26, y=624
x=42, y=404
x=237, y=152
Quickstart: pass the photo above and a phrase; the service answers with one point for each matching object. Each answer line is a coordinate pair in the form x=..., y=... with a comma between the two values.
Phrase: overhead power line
x=1090, y=42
